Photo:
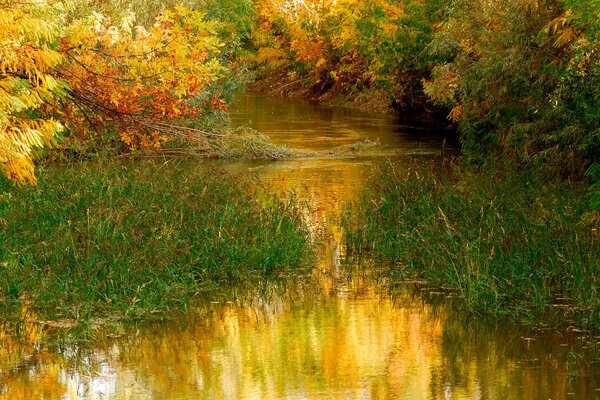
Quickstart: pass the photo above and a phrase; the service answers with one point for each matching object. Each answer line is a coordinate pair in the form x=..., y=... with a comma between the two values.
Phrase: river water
x=335, y=334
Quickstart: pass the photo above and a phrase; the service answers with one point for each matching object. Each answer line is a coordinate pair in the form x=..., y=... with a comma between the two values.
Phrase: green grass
x=511, y=243
x=134, y=240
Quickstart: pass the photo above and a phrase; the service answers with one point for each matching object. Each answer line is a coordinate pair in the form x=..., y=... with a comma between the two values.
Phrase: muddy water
x=336, y=334
x=309, y=126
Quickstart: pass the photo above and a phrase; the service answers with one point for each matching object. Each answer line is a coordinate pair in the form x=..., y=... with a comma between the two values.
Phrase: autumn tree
x=28, y=84
x=522, y=80
x=350, y=47
x=98, y=76
x=145, y=83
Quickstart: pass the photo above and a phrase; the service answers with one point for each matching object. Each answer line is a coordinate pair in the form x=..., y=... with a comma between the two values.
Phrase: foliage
x=234, y=19
x=523, y=80
x=108, y=79
x=130, y=240
x=141, y=82
x=27, y=85
x=510, y=243
x=594, y=173
x=592, y=217
x=519, y=78
x=349, y=46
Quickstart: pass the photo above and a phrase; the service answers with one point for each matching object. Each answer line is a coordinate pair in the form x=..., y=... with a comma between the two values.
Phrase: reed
x=509, y=242
x=134, y=240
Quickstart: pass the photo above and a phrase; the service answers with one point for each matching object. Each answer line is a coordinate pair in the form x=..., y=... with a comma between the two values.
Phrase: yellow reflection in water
x=347, y=348
x=27, y=371
x=354, y=343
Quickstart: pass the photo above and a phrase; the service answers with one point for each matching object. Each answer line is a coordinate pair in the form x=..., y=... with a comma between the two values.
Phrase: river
x=337, y=333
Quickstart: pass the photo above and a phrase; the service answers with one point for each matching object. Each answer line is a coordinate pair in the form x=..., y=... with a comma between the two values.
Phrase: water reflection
x=337, y=334
x=310, y=126
x=354, y=342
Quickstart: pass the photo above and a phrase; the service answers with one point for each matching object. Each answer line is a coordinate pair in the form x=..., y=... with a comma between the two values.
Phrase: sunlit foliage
x=520, y=78
x=348, y=46
x=102, y=74
x=27, y=84
x=139, y=80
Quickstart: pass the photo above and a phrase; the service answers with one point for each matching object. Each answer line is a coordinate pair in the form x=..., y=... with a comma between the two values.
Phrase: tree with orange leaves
x=95, y=76
x=144, y=83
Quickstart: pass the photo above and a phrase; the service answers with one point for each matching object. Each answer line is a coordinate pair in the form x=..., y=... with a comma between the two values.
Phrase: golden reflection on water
x=308, y=126
x=354, y=342
x=346, y=348
x=338, y=335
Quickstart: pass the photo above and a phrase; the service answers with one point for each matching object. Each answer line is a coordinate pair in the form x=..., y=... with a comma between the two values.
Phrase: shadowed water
x=336, y=334
x=310, y=126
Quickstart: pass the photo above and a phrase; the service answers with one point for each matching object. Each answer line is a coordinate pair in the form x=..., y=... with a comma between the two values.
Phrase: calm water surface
x=336, y=334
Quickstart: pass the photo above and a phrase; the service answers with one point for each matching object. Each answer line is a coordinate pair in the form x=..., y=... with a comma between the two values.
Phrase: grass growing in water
x=131, y=240
x=511, y=244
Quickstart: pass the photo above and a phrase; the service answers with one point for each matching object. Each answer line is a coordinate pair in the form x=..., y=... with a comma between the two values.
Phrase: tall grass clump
x=131, y=240
x=510, y=243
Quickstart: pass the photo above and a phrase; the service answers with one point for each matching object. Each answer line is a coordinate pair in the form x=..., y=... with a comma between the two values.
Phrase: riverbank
x=371, y=100
x=279, y=84
x=509, y=243
x=133, y=240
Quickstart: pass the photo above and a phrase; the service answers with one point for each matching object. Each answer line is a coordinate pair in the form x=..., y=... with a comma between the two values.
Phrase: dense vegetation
x=102, y=76
x=129, y=240
x=509, y=243
x=520, y=78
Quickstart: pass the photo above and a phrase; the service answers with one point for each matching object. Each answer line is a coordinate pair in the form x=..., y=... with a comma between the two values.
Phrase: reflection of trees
x=343, y=345
x=303, y=126
x=278, y=342
x=498, y=361
x=25, y=356
x=324, y=185
x=343, y=336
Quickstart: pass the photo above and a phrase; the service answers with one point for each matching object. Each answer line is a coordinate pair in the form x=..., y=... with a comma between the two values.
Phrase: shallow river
x=336, y=334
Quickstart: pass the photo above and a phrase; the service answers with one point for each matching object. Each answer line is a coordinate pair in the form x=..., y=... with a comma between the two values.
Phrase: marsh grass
x=134, y=240
x=511, y=243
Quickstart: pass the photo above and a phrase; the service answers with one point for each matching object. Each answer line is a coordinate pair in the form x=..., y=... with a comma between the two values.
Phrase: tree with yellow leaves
x=144, y=83
x=28, y=31
x=147, y=85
